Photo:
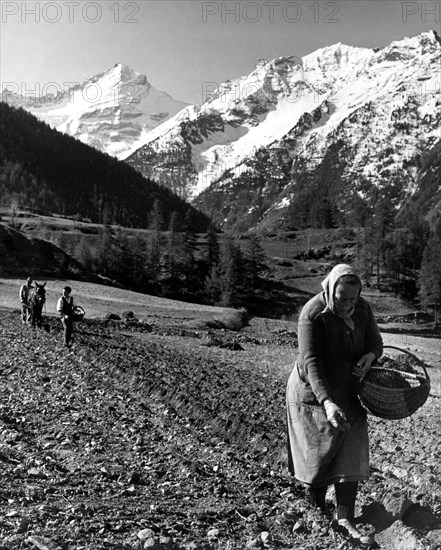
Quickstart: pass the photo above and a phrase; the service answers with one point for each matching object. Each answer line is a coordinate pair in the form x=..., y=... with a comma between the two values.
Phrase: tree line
x=172, y=259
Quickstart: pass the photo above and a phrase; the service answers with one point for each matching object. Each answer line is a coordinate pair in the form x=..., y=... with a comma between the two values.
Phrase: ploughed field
x=164, y=433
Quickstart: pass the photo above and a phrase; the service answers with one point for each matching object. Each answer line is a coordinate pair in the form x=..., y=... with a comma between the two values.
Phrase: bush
x=235, y=320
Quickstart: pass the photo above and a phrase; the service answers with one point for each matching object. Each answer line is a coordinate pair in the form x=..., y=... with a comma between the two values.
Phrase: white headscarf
x=329, y=285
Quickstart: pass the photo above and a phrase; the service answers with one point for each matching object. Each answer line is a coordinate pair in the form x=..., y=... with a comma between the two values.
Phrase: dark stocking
x=317, y=496
x=345, y=494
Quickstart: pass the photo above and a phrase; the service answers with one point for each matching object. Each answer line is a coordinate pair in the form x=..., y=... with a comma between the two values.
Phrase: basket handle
x=420, y=363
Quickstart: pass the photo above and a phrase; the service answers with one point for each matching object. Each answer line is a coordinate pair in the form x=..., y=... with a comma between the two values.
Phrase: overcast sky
x=186, y=46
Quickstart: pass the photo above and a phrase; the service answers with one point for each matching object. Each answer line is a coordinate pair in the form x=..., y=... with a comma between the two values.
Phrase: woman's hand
x=364, y=365
x=336, y=416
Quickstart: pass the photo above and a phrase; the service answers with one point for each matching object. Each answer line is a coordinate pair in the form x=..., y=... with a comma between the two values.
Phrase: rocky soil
x=148, y=435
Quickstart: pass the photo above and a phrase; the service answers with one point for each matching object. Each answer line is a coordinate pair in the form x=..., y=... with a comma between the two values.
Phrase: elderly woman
x=327, y=427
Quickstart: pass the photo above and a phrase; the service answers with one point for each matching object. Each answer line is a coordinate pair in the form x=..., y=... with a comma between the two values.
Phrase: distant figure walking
x=65, y=308
x=24, y=294
x=37, y=299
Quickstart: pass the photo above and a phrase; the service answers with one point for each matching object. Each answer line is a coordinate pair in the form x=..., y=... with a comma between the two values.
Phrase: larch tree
x=429, y=280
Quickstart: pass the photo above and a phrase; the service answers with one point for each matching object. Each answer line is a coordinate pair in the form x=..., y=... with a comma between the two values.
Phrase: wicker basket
x=78, y=313
x=393, y=394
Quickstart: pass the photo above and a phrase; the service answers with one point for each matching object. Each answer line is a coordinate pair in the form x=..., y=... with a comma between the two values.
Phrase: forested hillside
x=427, y=199
x=410, y=242
x=44, y=169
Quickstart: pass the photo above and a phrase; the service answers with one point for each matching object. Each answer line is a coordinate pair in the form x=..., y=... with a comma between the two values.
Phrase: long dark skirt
x=318, y=453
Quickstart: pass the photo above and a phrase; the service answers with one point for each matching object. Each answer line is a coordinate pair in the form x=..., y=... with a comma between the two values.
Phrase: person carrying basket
x=65, y=308
x=339, y=340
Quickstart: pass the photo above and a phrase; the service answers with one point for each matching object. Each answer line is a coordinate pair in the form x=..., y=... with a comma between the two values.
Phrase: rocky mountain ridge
x=340, y=114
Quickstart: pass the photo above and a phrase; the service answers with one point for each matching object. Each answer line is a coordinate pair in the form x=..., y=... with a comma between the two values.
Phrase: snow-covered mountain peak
x=256, y=135
x=121, y=74
x=126, y=72
x=111, y=111
x=268, y=81
x=261, y=62
x=336, y=59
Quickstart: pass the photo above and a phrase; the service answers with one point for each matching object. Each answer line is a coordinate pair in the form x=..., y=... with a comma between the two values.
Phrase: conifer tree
x=122, y=259
x=153, y=261
x=156, y=226
x=105, y=251
x=173, y=249
x=254, y=262
x=379, y=222
x=83, y=253
x=189, y=236
x=213, y=285
x=189, y=246
x=429, y=280
x=403, y=249
x=232, y=281
x=140, y=275
x=213, y=247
